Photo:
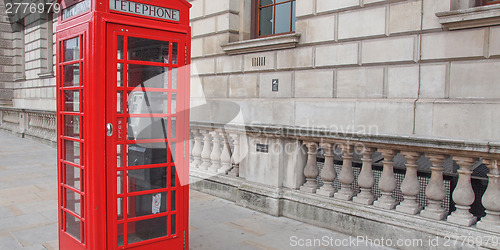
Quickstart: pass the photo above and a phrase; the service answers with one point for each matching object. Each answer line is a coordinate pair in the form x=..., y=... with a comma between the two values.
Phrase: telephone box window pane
x=173, y=224
x=146, y=154
x=174, y=78
x=172, y=150
x=147, y=229
x=148, y=204
x=72, y=49
x=73, y=226
x=119, y=75
x=173, y=204
x=142, y=49
x=147, y=179
x=145, y=76
x=72, y=126
x=147, y=128
x=266, y=21
x=119, y=156
x=119, y=51
x=119, y=208
x=283, y=22
x=120, y=235
x=173, y=178
x=71, y=75
x=73, y=202
x=72, y=151
x=71, y=100
x=173, y=127
x=174, y=104
x=175, y=48
x=73, y=177
x=147, y=102
x=119, y=102
x=119, y=182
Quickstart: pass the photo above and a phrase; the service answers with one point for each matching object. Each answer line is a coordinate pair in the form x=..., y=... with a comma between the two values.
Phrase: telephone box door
x=146, y=138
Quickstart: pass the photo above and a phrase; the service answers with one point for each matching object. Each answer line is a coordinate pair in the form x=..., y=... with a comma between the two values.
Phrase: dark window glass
x=275, y=17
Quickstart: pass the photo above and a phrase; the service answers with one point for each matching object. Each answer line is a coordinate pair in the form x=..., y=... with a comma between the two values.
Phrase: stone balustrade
x=351, y=163
x=36, y=124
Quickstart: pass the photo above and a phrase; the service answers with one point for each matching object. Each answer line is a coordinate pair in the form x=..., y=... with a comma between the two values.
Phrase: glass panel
x=73, y=202
x=174, y=78
x=119, y=75
x=173, y=203
x=71, y=75
x=172, y=225
x=172, y=176
x=147, y=102
x=119, y=156
x=142, y=49
x=147, y=154
x=73, y=226
x=119, y=51
x=73, y=177
x=147, y=229
x=172, y=150
x=173, y=127
x=294, y=17
x=72, y=151
x=119, y=208
x=265, y=2
x=266, y=21
x=119, y=102
x=283, y=18
x=72, y=126
x=147, y=128
x=146, y=179
x=174, y=52
x=174, y=104
x=120, y=235
x=146, y=76
x=71, y=100
x=72, y=49
x=147, y=204
x=119, y=182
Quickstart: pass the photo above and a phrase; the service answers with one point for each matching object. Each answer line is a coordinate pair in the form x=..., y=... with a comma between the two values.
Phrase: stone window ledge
x=470, y=18
x=262, y=44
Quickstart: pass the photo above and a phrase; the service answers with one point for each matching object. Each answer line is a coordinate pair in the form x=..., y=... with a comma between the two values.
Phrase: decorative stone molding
x=262, y=44
x=471, y=17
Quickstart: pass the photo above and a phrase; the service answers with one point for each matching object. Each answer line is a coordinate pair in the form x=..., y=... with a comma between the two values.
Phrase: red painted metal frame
x=94, y=27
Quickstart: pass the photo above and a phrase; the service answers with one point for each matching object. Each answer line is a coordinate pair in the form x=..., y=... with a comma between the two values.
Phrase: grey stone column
x=328, y=173
x=235, y=158
x=346, y=176
x=410, y=185
x=463, y=195
x=490, y=200
x=387, y=183
x=225, y=157
x=365, y=178
x=311, y=170
x=216, y=152
x=435, y=190
x=197, y=148
x=205, y=153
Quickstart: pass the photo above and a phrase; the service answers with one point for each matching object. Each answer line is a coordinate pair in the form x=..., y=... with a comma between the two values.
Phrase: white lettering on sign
x=144, y=10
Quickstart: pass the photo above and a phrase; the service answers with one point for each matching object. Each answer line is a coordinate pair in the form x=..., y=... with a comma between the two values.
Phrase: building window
x=273, y=17
x=488, y=2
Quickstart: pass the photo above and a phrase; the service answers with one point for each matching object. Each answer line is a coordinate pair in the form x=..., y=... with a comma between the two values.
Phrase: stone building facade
x=291, y=124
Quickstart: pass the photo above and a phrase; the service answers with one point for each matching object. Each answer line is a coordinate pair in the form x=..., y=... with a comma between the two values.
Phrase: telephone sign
x=123, y=124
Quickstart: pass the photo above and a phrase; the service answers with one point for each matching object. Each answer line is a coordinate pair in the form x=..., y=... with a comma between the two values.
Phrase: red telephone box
x=123, y=124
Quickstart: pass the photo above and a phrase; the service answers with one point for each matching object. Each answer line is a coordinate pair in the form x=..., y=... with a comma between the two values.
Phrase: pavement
x=28, y=211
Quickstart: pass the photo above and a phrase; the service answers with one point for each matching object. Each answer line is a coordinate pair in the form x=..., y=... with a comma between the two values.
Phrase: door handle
x=109, y=129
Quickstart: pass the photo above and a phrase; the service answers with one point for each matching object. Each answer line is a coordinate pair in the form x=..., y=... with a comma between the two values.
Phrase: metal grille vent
x=258, y=61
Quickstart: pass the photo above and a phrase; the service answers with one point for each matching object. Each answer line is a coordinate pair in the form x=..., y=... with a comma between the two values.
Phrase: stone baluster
x=216, y=152
x=197, y=148
x=365, y=178
x=225, y=157
x=328, y=173
x=311, y=170
x=346, y=176
x=491, y=199
x=205, y=153
x=387, y=182
x=235, y=157
x=435, y=190
x=410, y=185
x=191, y=147
x=463, y=195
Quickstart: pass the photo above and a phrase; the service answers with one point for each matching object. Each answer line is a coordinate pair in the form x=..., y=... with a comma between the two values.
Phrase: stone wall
x=7, y=61
x=390, y=65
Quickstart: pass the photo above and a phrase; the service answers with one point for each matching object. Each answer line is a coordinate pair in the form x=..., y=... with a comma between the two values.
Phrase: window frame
x=486, y=2
x=256, y=18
